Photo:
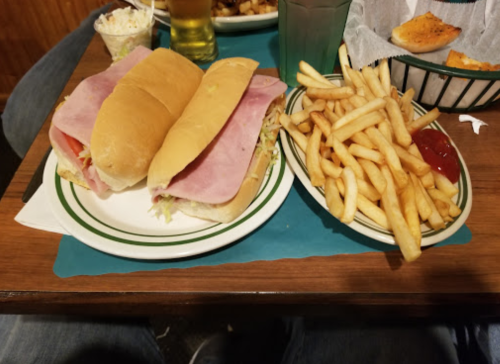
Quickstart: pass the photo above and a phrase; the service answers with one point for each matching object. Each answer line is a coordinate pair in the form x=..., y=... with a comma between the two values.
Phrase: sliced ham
x=217, y=174
x=77, y=116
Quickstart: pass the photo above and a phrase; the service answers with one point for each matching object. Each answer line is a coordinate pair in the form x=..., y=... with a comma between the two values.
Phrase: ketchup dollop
x=437, y=150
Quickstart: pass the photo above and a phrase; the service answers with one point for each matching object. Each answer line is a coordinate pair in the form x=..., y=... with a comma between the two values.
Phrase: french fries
x=402, y=135
x=313, y=158
x=373, y=82
x=402, y=233
x=363, y=152
x=303, y=115
x=344, y=62
x=385, y=76
x=367, y=108
x=350, y=195
x=360, y=150
x=406, y=106
x=333, y=200
x=329, y=93
x=294, y=132
x=374, y=174
x=312, y=82
x=444, y=184
x=410, y=212
x=423, y=121
x=311, y=72
x=360, y=124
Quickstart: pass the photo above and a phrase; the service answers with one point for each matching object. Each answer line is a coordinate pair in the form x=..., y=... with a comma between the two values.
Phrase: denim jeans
x=65, y=340
x=61, y=340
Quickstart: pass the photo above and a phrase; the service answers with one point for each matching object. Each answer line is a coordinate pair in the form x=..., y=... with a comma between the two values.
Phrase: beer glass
x=191, y=30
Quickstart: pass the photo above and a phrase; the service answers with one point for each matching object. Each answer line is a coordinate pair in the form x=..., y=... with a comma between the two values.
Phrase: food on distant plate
x=243, y=7
x=424, y=33
x=460, y=60
x=368, y=156
x=108, y=130
x=215, y=157
x=159, y=4
x=231, y=7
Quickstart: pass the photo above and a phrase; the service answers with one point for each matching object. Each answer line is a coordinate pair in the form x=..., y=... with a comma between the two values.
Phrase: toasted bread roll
x=424, y=33
x=460, y=60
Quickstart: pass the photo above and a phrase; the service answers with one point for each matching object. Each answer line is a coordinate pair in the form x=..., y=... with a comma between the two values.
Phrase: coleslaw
x=124, y=29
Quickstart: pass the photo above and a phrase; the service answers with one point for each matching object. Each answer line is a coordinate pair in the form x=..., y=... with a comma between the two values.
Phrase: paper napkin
x=36, y=214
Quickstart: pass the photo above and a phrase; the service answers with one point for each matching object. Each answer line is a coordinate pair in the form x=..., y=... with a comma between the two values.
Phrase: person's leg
x=324, y=341
x=60, y=340
x=251, y=341
x=477, y=343
x=36, y=93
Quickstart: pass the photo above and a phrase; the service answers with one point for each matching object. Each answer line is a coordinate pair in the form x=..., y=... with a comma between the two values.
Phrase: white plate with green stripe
x=361, y=223
x=121, y=223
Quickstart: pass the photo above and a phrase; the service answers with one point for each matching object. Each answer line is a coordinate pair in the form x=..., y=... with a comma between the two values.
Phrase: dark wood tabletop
x=454, y=280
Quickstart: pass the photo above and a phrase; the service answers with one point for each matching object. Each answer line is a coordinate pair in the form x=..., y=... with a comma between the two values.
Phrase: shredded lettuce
x=85, y=154
x=267, y=133
x=163, y=207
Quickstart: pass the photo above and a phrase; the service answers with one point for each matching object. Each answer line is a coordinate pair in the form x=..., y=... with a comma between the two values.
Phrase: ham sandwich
x=108, y=130
x=217, y=174
x=217, y=177
x=74, y=120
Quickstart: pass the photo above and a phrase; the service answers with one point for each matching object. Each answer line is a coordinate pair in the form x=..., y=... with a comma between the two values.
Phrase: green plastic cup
x=310, y=31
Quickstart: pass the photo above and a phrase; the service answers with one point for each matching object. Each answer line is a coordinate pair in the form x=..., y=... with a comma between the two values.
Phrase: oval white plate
x=361, y=223
x=121, y=223
x=222, y=23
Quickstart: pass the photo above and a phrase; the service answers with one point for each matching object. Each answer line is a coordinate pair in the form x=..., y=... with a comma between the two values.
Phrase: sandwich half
x=214, y=159
x=109, y=129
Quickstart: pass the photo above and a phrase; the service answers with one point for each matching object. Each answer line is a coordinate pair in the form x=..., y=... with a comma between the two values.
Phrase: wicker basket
x=449, y=89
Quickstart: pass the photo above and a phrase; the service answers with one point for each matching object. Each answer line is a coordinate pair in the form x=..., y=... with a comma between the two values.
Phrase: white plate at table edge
x=362, y=224
x=221, y=23
x=91, y=219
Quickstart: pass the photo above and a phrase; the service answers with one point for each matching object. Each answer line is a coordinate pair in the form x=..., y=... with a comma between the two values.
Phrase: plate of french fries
x=348, y=139
x=227, y=15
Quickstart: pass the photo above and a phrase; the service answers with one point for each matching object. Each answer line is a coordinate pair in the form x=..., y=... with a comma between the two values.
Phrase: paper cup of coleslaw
x=124, y=29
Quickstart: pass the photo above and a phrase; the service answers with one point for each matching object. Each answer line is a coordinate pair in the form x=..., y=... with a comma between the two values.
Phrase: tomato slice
x=437, y=150
x=75, y=145
x=77, y=148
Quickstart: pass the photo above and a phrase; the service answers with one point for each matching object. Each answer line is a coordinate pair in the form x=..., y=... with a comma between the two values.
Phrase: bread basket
x=450, y=89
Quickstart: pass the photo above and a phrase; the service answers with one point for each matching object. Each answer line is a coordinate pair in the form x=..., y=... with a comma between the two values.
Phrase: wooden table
x=455, y=280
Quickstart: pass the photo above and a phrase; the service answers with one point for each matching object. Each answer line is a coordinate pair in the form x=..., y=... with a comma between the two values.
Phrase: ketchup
x=437, y=150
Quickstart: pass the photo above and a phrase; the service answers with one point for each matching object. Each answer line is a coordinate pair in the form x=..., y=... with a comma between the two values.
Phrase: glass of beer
x=191, y=30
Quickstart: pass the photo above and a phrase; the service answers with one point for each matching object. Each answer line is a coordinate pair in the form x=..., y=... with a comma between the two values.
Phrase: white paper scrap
x=476, y=123
x=36, y=214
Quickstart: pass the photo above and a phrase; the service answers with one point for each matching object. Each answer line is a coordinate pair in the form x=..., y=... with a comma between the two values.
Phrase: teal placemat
x=300, y=228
